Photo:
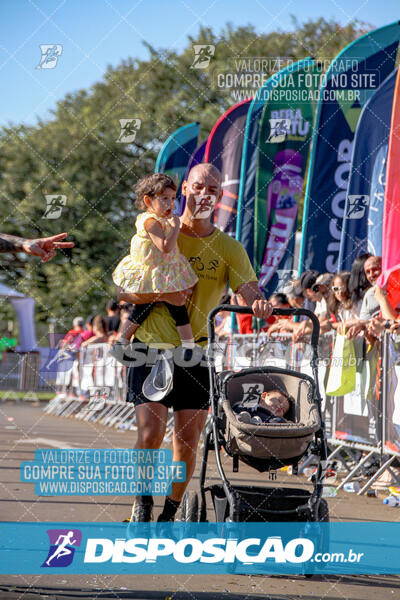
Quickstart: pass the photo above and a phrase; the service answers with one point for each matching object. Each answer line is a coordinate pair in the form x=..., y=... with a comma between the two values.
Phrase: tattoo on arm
x=250, y=292
x=11, y=243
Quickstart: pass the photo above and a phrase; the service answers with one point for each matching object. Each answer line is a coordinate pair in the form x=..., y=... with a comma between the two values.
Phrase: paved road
x=25, y=427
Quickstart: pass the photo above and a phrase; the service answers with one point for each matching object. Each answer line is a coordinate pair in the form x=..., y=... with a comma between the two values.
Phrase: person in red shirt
x=77, y=329
x=244, y=322
x=86, y=334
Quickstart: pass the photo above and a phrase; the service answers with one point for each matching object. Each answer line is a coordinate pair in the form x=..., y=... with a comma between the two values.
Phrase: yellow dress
x=147, y=270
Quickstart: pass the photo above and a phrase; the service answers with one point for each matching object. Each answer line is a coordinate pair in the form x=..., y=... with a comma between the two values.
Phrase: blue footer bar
x=209, y=548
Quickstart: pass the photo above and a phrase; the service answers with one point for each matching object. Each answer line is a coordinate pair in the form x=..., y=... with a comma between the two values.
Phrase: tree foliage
x=76, y=153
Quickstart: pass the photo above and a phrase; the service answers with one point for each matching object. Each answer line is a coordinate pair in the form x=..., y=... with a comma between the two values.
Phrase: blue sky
x=98, y=33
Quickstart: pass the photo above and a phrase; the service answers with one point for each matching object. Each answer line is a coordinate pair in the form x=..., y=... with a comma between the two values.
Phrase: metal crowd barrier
x=20, y=371
x=360, y=425
x=27, y=372
x=91, y=387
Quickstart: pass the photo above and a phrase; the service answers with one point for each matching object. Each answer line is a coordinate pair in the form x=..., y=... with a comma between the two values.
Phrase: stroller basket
x=273, y=442
x=256, y=504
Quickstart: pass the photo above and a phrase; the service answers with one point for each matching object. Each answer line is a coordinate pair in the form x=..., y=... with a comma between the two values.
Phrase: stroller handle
x=276, y=311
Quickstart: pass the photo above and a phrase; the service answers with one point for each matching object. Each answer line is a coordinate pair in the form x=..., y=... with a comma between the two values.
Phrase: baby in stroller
x=273, y=406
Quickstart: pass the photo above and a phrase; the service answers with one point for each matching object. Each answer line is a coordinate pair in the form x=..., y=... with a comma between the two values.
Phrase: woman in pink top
x=100, y=334
x=85, y=335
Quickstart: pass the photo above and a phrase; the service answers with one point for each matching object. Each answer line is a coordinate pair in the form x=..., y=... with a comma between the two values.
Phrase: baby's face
x=163, y=204
x=276, y=403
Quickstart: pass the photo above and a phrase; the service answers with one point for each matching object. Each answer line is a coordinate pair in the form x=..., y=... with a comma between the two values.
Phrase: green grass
x=13, y=394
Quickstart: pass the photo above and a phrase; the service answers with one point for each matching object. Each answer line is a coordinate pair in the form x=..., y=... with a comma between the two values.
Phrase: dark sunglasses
x=338, y=288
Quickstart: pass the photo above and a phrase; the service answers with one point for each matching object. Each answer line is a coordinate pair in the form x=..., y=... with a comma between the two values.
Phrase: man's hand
x=302, y=329
x=395, y=327
x=262, y=309
x=253, y=297
x=325, y=325
x=282, y=325
x=355, y=329
x=46, y=248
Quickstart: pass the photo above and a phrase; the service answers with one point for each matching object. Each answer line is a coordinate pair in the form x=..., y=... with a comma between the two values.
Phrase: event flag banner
x=196, y=158
x=247, y=187
x=390, y=277
x=352, y=78
x=283, y=147
x=224, y=150
x=362, y=223
x=175, y=154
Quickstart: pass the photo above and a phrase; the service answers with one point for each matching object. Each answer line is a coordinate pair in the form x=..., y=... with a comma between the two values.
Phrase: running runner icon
x=61, y=550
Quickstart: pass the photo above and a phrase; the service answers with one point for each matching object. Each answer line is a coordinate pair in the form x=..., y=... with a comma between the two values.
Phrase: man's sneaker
x=163, y=520
x=162, y=528
x=142, y=512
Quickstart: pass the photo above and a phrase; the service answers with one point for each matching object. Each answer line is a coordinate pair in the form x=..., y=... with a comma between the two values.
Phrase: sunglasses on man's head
x=315, y=287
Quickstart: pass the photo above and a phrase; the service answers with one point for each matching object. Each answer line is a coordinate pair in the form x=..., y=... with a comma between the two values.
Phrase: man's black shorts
x=190, y=386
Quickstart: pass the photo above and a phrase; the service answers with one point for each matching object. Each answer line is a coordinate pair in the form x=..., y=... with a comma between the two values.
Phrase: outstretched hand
x=46, y=248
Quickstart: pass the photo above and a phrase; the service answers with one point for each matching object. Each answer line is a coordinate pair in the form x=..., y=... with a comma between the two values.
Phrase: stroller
x=266, y=446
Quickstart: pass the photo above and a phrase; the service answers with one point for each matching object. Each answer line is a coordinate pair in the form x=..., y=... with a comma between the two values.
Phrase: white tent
x=26, y=318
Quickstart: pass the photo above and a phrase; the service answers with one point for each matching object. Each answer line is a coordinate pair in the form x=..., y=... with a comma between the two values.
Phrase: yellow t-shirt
x=217, y=260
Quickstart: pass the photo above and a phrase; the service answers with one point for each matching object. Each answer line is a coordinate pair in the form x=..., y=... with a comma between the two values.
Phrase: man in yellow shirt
x=217, y=260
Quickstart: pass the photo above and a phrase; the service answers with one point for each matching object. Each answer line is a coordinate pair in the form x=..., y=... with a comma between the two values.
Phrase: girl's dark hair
x=112, y=305
x=152, y=185
x=332, y=301
x=281, y=298
x=101, y=324
x=358, y=282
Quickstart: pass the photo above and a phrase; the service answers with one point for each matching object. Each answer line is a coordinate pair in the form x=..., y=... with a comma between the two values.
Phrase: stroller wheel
x=190, y=507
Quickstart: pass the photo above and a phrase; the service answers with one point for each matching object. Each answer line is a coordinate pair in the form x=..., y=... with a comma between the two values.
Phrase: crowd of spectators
x=96, y=329
x=349, y=302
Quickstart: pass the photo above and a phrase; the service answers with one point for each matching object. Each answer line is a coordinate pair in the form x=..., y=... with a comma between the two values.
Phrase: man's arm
x=43, y=247
x=175, y=298
x=11, y=243
x=253, y=297
x=386, y=309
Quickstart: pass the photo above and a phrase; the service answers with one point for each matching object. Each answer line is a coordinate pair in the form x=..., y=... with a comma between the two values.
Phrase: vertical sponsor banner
x=283, y=146
x=376, y=202
x=247, y=187
x=176, y=152
x=358, y=413
x=391, y=212
x=362, y=223
x=352, y=78
x=196, y=158
x=224, y=150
